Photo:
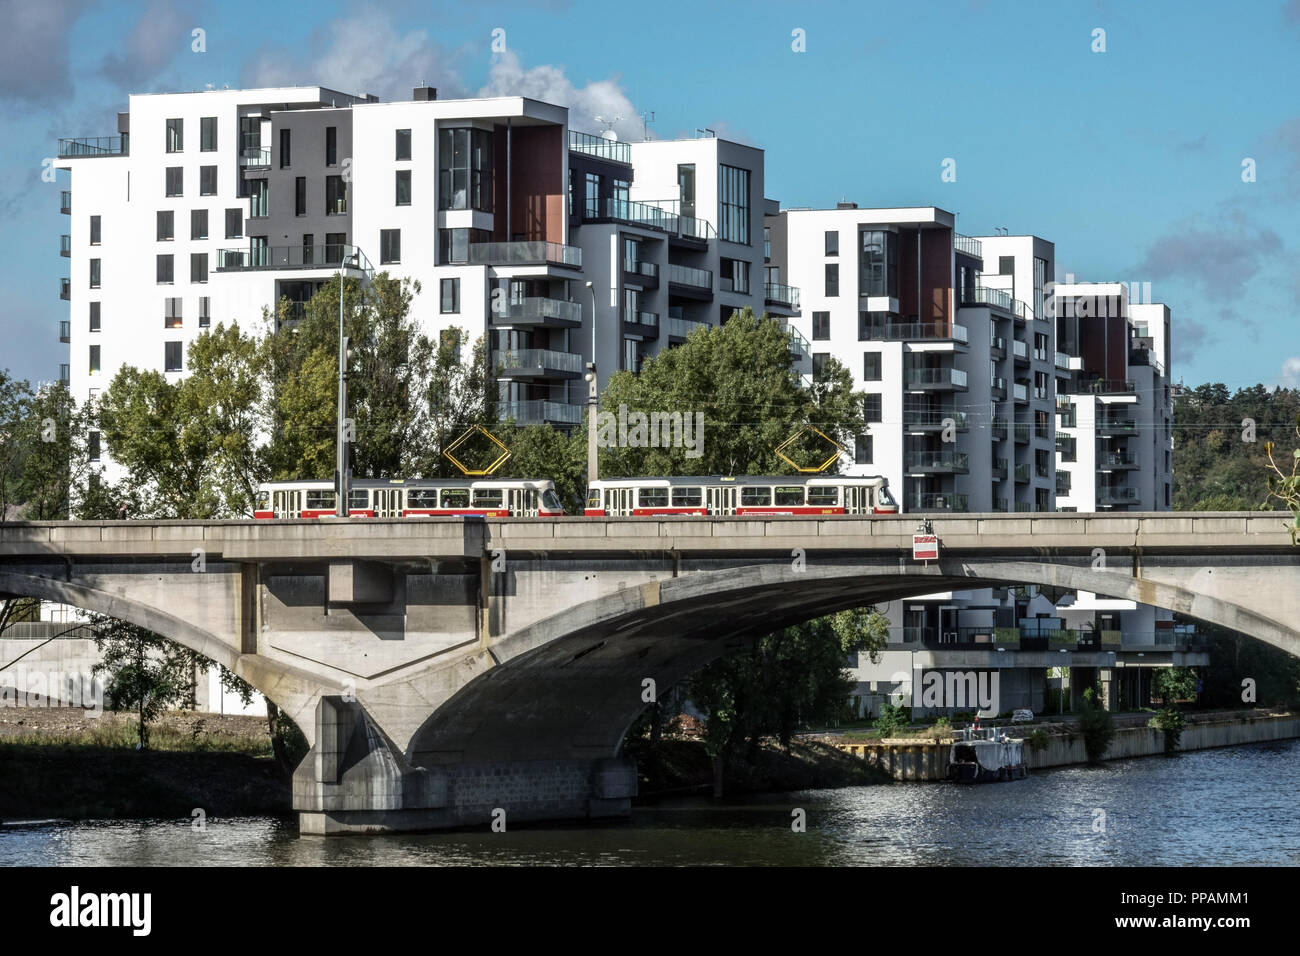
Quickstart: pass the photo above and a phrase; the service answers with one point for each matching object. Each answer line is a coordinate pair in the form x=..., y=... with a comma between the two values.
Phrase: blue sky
x=1130, y=160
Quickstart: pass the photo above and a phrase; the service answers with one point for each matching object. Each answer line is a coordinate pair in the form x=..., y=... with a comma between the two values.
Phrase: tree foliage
x=1096, y=724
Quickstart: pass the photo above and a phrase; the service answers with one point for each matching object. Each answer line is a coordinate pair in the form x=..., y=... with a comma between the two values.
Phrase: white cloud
x=1291, y=372
x=160, y=34
x=603, y=98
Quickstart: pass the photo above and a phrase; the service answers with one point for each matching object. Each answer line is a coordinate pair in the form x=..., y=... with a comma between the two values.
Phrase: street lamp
x=341, y=460
x=592, y=469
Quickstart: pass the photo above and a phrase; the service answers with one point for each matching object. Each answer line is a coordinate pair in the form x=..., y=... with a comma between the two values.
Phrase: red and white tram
x=413, y=497
x=741, y=495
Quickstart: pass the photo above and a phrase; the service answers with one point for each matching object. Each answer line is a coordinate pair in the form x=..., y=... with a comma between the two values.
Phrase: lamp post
x=592, y=464
x=341, y=460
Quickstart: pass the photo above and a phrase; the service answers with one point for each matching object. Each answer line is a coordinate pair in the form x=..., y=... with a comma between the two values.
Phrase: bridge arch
x=571, y=685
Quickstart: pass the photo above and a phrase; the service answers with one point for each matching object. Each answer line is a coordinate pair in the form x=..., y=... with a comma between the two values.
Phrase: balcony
x=1116, y=461
x=1099, y=386
x=65, y=246
x=1021, y=352
x=529, y=253
x=998, y=387
x=320, y=256
x=800, y=347
x=255, y=157
x=999, y=428
x=1000, y=468
x=88, y=146
x=1116, y=427
x=784, y=296
x=1000, y=504
x=1022, y=476
x=924, y=420
x=539, y=413
x=693, y=232
x=598, y=146
x=937, y=379
x=983, y=295
x=998, y=347
x=65, y=331
x=938, y=463
x=540, y=312
x=536, y=363
x=1022, y=433
x=1062, y=361
x=641, y=273
x=64, y=378
x=1024, y=507
x=971, y=247
x=65, y=289
x=1116, y=495
x=695, y=283
x=937, y=502
x=1020, y=392
x=644, y=324
x=640, y=214
x=679, y=329
x=903, y=331
x=65, y=202
x=1062, y=482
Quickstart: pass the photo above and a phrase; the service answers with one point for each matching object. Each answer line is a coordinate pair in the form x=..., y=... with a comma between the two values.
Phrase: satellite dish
x=610, y=135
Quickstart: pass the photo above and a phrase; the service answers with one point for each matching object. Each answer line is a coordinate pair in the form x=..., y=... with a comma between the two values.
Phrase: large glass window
x=198, y=224
x=832, y=243
x=331, y=145
x=94, y=230
x=871, y=367
x=878, y=267
x=94, y=273
x=300, y=196
x=284, y=148
x=166, y=270
x=207, y=180
x=686, y=185
x=832, y=278
x=208, y=134
x=166, y=225
x=871, y=410
x=172, y=356
x=390, y=246
x=450, y=297
x=403, y=190
x=94, y=316
x=258, y=204
x=465, y=169
x=198, y=267
x=175, y=180
x=234, y=224
x=402, y=152
x=733, y=204
x=821, y=328
x=336, y=196
x=591, y=197
x=175, y=135
x=1040, y=282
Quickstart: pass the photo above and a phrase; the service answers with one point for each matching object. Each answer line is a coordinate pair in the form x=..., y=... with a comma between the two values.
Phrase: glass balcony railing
x=642, y=268
x=983, y=295
x=640, y=214
x=255, y=156
x=777, y=294
x=1023, y=507
x=998, y=385
x=1000, y=467
x=65, y=288
x=1022, y=433
x=935, y=420
x=936, y=376
x=539, y=412
x=688, y=227
x=1022, y=473
x=538, y=311
x=642, y=318
x=65, y=331
x=542, y=360
x=319, y=256
x=999, y=428
x=800, y=347
x=1062, y=482
x=694, y=278
x=528, y=253
x=931, y=501
x=1117, y=426
x=938, y=461
x=94, y=146
x=600, y=147
x=65, y=201
x=903, y=331
x=1116, y=459
x=1113, y=495
x=1062, y=360
x=681, y=328
x=1000, y=504
x=1020, y=392
x=1019, y=349
x=966, y=244
x=1099, y=386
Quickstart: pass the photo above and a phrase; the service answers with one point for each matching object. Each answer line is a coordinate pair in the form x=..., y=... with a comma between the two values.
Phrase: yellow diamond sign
x=780, y=450
x=476, y=472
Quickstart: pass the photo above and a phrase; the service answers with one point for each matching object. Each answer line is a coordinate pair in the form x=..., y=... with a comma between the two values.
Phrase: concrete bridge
x=446, y=669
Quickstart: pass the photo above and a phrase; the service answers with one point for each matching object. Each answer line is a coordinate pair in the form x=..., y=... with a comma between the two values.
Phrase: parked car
x=1022, y=716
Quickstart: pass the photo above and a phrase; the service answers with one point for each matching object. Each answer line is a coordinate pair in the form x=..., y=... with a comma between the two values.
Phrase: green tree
x=1096, y=724
x=1284, y=482
x=1171, y=685
x=146, y=672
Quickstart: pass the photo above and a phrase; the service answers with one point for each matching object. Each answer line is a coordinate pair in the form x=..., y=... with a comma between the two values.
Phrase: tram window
x=688, y=497
x=885, y=498
x=551, y=501
x=359, y=499
x=424, y=498
x=653, y=497
x=823, y=495
x=593, y=499
x=455, y=497
x=320, y=500
x=790, y=495
x=487, y=497
x=755, y=496
x=263, y=500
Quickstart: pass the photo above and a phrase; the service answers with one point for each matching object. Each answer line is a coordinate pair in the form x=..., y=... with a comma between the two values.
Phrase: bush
x=892, y=718
x=941, y=727
x=1037, y=740
x=1096, y=725
x=1170, y=722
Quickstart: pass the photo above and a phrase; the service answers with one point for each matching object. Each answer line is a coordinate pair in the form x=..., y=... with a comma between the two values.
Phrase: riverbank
x=1060, y=744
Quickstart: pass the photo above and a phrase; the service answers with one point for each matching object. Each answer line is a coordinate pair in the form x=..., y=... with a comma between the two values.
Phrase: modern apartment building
x=213, y=206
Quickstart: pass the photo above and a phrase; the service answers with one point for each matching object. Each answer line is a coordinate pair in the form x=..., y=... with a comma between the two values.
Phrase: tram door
x=288, y=504
x=620, y=502
x=388, y=502
x=721, y=500
x=521, y=502
x=857, y=500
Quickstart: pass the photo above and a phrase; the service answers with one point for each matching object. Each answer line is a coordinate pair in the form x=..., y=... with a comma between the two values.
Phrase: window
x=832, y=278
x=465, y=169
x=789, y=495
x=331, y=146
x=488, y=497
x=767, y=244
x=455, y=497
x=234, y=224
x=390, y=246
x=284, y=149
x=652, y=497
x=402, y=152
x=334, y=243
x=205, y=311
x=450, y=299
x=94, y=273
x=733, y=275
x=207, y=180
x=878, y=264
x=166, y=225
x=208, y=134
x=832, y=243
x=871, y=411
x=198, y=267
x=92, y=445
x=1006, y=265
x=733, y=200
x=403, y=188
x=686, y=186
x=818, y=363
x=258, y=197
x=94, y=360
x=166, y=269
x=94, y=316
x=621, y=193
x=300, y=196
x=250, y=134
x=591, y=201
x=175, y=135
x=172, y=313
x=171, y=356
x=198, y=224
x=871, y=371
x=175, y=181
x=823, y=495
x=336, y=196
x=862, y=451
x=688, y=497
x=754, y=496
x=821, y=329
x=308, y=248
x=94, y=230
x=453, y=244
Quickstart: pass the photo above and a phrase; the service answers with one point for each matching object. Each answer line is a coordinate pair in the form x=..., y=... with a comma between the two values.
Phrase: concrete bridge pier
x=354, y=780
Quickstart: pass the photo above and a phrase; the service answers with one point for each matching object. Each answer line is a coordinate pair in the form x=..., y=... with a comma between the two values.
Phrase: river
x=1235, y=805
